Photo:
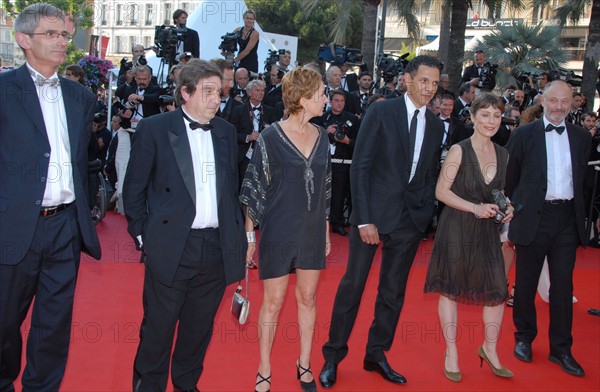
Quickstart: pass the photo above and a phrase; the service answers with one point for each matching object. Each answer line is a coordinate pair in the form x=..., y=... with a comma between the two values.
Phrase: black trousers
x=48, y=272
x=190, y=303
x=340, y=192
x=557, y=239
x=398, y=252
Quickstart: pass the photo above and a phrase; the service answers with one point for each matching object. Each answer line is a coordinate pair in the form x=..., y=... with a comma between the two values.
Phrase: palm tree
x=573, y=10
x=523, y=49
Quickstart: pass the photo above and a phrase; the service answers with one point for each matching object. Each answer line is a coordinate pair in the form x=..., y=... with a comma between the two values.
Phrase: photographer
x=138, y=58
x=274, y=94
x=143, y=98
x=342, y=127
x=481, y=74
x=248, y=42
x=190, y=42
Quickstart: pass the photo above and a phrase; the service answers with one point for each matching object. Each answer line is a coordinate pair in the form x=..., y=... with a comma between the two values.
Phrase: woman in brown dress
x=466, y=265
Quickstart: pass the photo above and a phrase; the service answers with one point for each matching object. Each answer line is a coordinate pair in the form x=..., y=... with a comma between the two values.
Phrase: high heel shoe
x=452, y=376
x=263, y=379
x=502, y=372
x=306, y=386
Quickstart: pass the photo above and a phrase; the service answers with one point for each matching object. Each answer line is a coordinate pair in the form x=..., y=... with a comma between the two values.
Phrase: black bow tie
x=446, y=120
x=224, y=100
x=559, y=130
x=195, y=124
x=256, y=108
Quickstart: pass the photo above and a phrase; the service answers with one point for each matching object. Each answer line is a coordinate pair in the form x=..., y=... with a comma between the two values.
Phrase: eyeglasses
x=55, y=35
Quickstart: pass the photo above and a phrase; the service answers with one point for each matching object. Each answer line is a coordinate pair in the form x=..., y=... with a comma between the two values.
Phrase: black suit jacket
x=273, y=96
x=380, y=169
x=160, y=198
x=458, y=106
x=150, y=104
x=228, y=110
x=527, y=177
x=191, y=42
x=25, y=156
x=471, y=72
x=241, y=118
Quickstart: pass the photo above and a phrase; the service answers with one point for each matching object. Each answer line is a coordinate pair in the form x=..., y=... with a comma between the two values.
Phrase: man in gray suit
x=45, y=220
x=393, y=177
x=181, y=201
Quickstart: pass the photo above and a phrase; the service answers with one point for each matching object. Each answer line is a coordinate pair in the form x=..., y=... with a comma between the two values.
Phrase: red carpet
x=108, y=312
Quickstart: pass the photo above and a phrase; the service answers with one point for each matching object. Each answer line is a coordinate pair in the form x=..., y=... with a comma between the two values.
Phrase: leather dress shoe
x=523, y=351
x=328, y=374
x=340, y=230
x=176, y=389
x=567, y=363
x=386, y=371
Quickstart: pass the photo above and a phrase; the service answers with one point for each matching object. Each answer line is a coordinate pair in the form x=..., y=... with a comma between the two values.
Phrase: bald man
x=544, y=180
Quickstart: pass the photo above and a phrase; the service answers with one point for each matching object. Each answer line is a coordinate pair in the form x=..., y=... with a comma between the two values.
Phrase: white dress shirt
x=59, y=178
x=410, y=110
x=205, y=179
x=560, y=168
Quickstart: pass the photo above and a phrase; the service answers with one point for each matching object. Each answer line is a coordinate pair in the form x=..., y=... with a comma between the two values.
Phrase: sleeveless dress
x=288, y=195
x=250, y=62
x=466, y=264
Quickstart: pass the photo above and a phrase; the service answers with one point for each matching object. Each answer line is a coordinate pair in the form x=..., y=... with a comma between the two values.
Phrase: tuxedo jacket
x=159, y=194
x=458, y=106
x=228, y=109
x=273, y=96
x=25, y=157
x=527, y=177
x=241, y=118
x=351, y=81
x=471, y=72
x=150, y=104
x=380, y=168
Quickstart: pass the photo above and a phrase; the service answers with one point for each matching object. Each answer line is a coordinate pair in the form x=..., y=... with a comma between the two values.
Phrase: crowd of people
x=302, y=155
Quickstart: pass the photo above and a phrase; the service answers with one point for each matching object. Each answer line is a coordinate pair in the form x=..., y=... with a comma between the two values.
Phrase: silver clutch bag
x=240, y=305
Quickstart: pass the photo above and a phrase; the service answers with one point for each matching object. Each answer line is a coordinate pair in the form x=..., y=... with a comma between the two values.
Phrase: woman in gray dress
x=286, y=191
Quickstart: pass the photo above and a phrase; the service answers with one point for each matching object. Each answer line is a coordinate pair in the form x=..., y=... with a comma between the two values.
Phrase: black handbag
x=240, y=305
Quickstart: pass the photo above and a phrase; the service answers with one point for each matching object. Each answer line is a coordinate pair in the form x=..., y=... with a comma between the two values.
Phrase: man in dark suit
x=473, y=73
x=191, y=40
x=360, y=97
x=274, y=94
x=249, y=120
x=181, y=201
x=143, y=96
x=466, y=94
x=393, y=177
x=544, y=180
x=228, y=103
x=45, y=220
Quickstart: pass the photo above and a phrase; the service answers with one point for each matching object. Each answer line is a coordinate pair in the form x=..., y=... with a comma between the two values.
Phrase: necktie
x=195, y=124
x=42, y=81
x=559, y=130
x=413, y=136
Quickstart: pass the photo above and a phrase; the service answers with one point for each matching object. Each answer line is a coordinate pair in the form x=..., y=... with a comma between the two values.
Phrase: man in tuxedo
x=228, y=103
x=45, y=220
x=472, y=73
x=274, y=94
x=360, y=97
x=181, y=201
x=143, y=97
x=191, y=41
x=466, y=94
x=393, y=177
x=249, y=120
x=242, y=78
x=544, y=180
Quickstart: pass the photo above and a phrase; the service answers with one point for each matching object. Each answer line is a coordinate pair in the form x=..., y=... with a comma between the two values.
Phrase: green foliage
x=289, y=17
x=524, y=48
x=80, y=12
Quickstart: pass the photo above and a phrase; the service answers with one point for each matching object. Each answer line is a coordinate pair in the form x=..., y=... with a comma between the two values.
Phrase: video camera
x=487, y=78
x=339, y=54
x=229, y=44
x=272, y=58
x=166, y=39
x=568, y=76
x=390, y=66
